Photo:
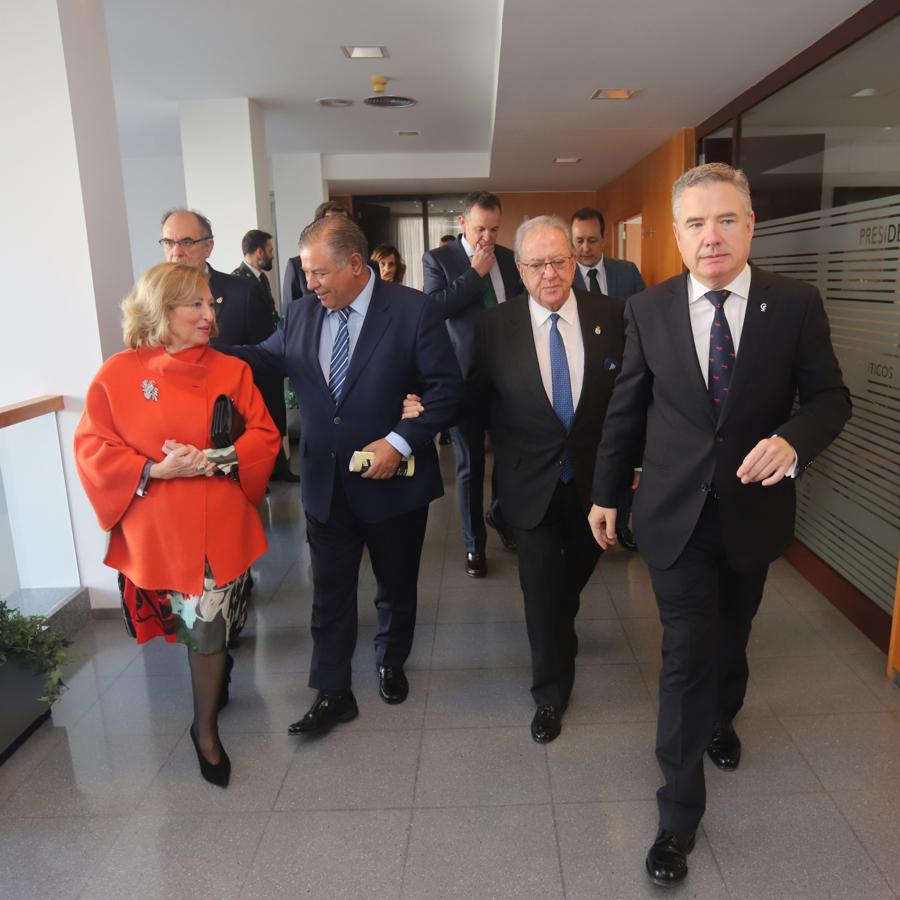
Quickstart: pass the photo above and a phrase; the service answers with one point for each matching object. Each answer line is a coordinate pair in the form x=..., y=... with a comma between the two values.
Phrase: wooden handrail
x=29, y=409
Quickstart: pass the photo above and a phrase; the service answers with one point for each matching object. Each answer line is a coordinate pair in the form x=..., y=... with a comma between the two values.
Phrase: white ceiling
x=503, y=86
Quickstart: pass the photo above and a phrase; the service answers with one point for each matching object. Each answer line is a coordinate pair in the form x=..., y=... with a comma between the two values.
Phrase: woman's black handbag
x=227, y=423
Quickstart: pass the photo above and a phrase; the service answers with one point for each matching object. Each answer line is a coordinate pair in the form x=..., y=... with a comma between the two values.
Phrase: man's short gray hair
x=536, y=224
x=340, y=234
x=711, y=173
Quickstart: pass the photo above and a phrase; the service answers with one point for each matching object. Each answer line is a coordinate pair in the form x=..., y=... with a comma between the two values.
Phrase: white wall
x=60, y=317
x=152, y=186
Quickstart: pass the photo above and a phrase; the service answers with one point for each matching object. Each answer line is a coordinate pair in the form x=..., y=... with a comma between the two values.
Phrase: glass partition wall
x=823, y=159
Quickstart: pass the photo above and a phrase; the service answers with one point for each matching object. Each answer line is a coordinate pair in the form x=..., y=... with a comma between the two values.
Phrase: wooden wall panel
x=519, y=206
x=646, y=190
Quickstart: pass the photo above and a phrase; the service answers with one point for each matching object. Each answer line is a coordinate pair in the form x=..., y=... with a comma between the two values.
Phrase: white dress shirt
x=569, y=327
x=601, y=276
x=703, y=312
x=496, y=277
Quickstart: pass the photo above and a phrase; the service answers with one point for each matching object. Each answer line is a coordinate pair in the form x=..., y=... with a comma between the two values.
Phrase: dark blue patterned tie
x=561, y=383
x=340, y=356
x=721, y=352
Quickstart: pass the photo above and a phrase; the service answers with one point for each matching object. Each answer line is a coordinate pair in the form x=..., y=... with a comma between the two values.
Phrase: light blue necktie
x=340, y=356
x=562, y=390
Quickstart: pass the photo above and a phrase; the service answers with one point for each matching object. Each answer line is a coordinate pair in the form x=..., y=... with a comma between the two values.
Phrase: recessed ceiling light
x=614, y=94
x=365, y=52
x=567, y=160
x=334, y=102
x=408, y=133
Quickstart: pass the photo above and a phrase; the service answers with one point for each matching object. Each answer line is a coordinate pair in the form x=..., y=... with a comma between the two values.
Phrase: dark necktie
x=340, y=356
x=561, y=383
x=721, y=352
x=594, y=284
x=267, y=290
x=489, y=297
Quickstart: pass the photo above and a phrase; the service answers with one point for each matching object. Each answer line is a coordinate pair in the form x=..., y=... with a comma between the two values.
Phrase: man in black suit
x=544, y=369
x=256, y=247
x=620, y=278
x=466, y=277
x=258, y=253
x=352, y=356
x=294, y=280
x=242, y=315
x=713, y=363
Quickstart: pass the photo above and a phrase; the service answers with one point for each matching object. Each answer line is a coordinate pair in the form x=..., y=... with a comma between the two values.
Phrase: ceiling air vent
x=391, y=101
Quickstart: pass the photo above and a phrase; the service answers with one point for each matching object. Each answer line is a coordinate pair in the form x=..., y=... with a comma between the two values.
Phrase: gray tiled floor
x=446, y=795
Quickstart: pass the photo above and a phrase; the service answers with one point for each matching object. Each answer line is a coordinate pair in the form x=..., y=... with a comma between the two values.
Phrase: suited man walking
x=544, y=368
x=352, y=356
x=713, y=363
x=620, y=278
x=258, y=252
x=466, y=277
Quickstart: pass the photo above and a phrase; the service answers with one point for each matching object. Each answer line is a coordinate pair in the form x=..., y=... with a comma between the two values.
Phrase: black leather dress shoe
x=626, y=539
x=327, y=711
x=546, y=724
x=725, y=747
x=392, y=684
x=508, y=541
x=667, y=858
x=476, y=565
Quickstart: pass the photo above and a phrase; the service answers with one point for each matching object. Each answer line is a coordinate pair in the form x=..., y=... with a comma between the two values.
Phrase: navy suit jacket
x=294, y=281
x=622, y=278
x=459, y=291
x=785, y=352
x=402, y=348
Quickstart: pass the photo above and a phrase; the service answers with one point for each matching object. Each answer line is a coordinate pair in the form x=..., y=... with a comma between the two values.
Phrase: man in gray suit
x=596, y=272
x=616, y=278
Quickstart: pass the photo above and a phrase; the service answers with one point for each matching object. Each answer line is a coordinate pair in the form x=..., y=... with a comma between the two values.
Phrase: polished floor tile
x=446, y=795
x=505, y=853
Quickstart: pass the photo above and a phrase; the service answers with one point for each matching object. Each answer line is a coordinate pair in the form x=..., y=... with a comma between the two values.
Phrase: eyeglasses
x=184, y=243
x=560, y=263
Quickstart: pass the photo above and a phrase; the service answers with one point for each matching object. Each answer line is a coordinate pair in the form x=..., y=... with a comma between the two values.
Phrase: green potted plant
x=293, y=412
x=32, y=657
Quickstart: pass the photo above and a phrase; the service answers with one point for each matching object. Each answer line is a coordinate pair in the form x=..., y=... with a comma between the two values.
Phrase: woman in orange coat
x=182, y=520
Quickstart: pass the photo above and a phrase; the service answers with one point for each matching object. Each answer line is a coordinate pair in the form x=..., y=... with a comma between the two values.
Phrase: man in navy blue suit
x=466, y=277
x=352, y=357
x=619, y=278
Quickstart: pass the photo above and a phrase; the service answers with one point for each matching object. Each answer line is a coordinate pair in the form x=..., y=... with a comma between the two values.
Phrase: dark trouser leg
x=687, y=597
x=395, y=547
x=739, y=597
x=207, y=673
x=623, y=513
x=468, y=449
x=555, y=562
x=335, y=550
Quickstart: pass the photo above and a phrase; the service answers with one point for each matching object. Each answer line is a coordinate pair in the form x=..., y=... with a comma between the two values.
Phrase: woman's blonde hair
x=157, y=292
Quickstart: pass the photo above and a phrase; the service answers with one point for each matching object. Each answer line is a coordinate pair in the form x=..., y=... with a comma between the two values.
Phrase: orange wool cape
x=139, y=399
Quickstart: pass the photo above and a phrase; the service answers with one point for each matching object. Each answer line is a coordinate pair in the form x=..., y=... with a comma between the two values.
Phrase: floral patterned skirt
x=206, y=623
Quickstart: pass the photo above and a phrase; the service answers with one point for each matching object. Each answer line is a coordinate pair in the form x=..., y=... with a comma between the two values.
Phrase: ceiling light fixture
x=567, y=160
x=334, y=102
x=365, y=52
x=614, y=94
x=380, y=98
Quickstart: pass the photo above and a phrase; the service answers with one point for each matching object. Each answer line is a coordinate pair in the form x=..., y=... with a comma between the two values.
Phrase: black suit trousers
x=556, y=559
x=336, y=546
x=706, y=609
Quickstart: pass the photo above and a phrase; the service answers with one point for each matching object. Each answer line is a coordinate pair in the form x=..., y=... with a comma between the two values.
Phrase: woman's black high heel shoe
x=218, y=774
x=226, y=680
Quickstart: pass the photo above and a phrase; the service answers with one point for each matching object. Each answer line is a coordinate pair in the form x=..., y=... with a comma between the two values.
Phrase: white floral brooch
x=151, y=391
